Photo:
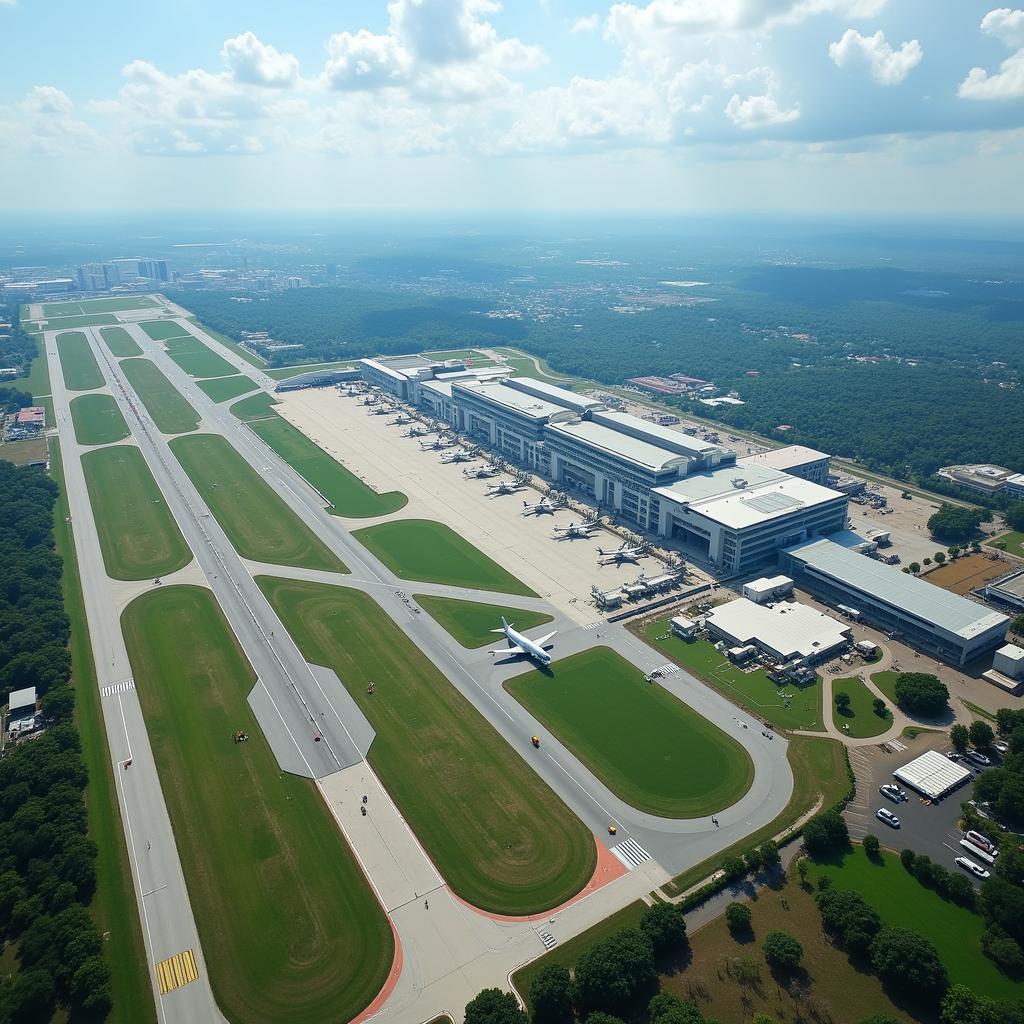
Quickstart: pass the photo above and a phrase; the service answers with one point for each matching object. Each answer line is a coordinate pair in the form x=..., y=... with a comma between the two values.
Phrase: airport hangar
x=930, y=618
x=664, y=481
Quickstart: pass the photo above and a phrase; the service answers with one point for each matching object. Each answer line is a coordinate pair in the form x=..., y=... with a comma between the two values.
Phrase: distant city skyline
x=817, y=107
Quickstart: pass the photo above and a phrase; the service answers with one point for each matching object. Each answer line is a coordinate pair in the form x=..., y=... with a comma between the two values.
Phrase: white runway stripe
x=631, y=853
x=121, y=687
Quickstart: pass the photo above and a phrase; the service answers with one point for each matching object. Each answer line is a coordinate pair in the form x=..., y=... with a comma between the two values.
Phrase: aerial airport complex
x=414, y=669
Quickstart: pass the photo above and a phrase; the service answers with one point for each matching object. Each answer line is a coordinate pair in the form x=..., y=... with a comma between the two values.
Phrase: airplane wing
x=507, y=650
x=540, y=642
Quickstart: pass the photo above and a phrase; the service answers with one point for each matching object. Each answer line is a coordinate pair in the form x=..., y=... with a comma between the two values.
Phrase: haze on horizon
x=815, y=107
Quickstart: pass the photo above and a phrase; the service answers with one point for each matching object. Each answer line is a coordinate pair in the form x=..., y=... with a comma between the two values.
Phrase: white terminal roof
x=911, y=595
x=551, y=393
x=1011, y=651
x=740, y=496
x=440, y=387
x=789, y=629
x=768, y=583
x=621, y=446
x=518, y=401
x=19, y=699
x=665, y=437
x=932, y=774
x=790, y=457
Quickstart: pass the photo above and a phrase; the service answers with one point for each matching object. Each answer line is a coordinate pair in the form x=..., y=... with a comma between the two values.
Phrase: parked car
x=888, y=817
x=978, y=758
x=894, y=793
x=982, y=842
x=1001, y=746
x=975, y=869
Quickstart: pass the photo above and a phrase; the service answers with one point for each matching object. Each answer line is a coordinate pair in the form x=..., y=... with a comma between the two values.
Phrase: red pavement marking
x=608, y=868
x=392, y=980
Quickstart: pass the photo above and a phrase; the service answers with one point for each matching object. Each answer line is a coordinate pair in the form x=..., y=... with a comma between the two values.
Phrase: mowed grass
x=347, y=494
x=249, y=357
x=99, y=305
x=162, y=330
x=886, y=682
x=645, y=745
x=113, y=906
x=221, y=389
x=418, y=549
x=257, y=521
x=500, y=837
x=1013, y=542
x=752, y=690
x=37, y=383
x=77, y=363
x=137, y=532
x=255, y=407
x=120, y=342
x=902, y=901
x=859, y=720
x=171, y=413
x=61, y=323
x=197, y=359
x=289, y=926
x=97, y=420
x=473, y=624
x=284, y=372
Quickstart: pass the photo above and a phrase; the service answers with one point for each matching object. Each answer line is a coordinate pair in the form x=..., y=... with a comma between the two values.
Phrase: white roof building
x=932, y=775
x=795, y=459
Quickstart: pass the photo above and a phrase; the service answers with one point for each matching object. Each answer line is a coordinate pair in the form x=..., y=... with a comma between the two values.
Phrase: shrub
x=959, y=737
x=871, y=845
x=734, y=868
x=492, y=1006
x=849, y=918
x=902, y=957
x=738, y=917
x=879, y=706
x=1003, y=950
x=782, y=951
x=908, y=859
x=842, y=702
x=826, y=832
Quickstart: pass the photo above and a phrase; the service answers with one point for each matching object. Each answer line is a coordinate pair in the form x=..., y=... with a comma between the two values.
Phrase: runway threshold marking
x=121, y=687
x=176, y=971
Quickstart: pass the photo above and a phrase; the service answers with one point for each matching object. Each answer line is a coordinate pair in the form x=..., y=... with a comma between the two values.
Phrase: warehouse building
x=794, y=459
x=1007, y=590
x=786, y=631
x=934, y=620
x=932, y=775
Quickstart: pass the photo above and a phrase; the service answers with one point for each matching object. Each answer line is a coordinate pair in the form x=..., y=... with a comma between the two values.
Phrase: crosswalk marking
x=176, y=971
x=591, y=625
x=121, y=687
x=666, y=670
x=631, y=853
x=895, y=746
x=547, y=938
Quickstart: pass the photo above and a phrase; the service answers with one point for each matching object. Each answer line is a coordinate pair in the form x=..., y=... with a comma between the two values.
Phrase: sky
x=814, y=107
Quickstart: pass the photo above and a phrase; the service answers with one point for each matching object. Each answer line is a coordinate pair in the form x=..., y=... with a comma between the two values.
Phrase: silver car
x=888, y=817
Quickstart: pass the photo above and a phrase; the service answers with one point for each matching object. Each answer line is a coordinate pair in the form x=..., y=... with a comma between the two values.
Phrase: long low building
x=932, y=775
x=928, y=617
x=794, y=459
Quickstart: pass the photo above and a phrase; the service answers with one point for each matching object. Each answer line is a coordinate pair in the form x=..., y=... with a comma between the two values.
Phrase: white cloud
x=588, y=23
x=887, y=66
x=46, y=99
x=365, y=60
x=1008, y=82
x=44, y=121
x=256, y=63
x=758, y=111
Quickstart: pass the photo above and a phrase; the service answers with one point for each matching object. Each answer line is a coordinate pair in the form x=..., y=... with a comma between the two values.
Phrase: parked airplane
x=417, y=432
x=623, y=553
x=460, y=455
x=437, y=444
x=381, y=410
x=399, y=421
x=503, y=487
x=542, y=507
x=479, y=472
x=575, y=531
x=519, y=644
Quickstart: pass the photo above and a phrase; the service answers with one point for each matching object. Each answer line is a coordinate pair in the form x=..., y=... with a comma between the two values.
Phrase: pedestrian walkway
x=631, y=853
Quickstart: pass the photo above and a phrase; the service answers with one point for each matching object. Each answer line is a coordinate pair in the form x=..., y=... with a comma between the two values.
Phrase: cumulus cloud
x=588, y=23
x=1008, y=82
x=887, y=66
x=44, y=121
x=758, y=111
x=256, y=63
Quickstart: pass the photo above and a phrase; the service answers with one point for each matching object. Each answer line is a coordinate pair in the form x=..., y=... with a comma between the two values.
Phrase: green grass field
x=647, y=747
x=255, y=407
x=472, y=355
x=87, y=306
x=886, y=682
x=197, y=359
x=249, y=357
x=526, y=367
x=171, y=413
x=752, y=690
x=1012, y=542
x=162, y=330
x=472, y=624
x=860, y=717
x=901, y=900
x=37, y=383
x=120, y=342
x=819, y=769
x=347, y=494
x=137, y=533
x=257, y=521
x=113, y=907
x=63, y=323
x=222, y=389
x=283, y=372
x=289, y=925
x=418, y=549
x=499, y=836
x=77, y=363
x=97, y=420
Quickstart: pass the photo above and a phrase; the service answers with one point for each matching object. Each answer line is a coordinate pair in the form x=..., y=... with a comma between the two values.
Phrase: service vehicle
x=969, y=865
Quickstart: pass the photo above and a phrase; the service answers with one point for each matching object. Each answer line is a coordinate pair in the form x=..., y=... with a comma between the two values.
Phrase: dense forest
x=20, y=348
x=47, y=861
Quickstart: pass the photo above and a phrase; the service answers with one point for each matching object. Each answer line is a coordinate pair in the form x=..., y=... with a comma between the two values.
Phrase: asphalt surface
x=313, y=726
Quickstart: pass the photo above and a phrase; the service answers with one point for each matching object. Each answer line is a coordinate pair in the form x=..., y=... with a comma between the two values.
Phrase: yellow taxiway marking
x=176, y=971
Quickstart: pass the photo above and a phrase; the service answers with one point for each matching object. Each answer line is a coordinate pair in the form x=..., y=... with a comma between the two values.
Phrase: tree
x=782, y=951
x=842, y=702
x=927, y=561
x=880, y=707
x=1014, y=515
x=762, y=1018
x=940, y=557
x=914, y=567
x=90, y=986
x=962, y=1006
x=871, y=845
x=953, y=551
x=768, y=854
x=664, y=926
x=738, y=917
x=734, y=868
x=58, y=703
x=960, y=737
x=492, y=1006
x=1003, y=950
x=826, y=832
x=981, y=734
x=921, y=693
x=32, y=996
x=879, y=1018
x=551, y=995
x=849, y=918
x=603, y=1018
x=661, y=1004
x=611, y=972
x=954, y=522
x=900, y=956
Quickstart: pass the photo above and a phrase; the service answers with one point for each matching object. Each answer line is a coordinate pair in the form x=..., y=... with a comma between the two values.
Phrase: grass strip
x=257, y=521
x=114, y=908
x=645, y=745
x=87, y=306
x=197, y=359
x=221, y=389
x=77, y=363
x=120, y=342
x=163, y=330
x=171, y=413
x=254, y=408
x=137, y=532
x=473, y=624
x=420, y=549
x=97, y=420
x=37, y=383
x=289, y=925
x=499, y=836
x=284, y=372
x=249, y=357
